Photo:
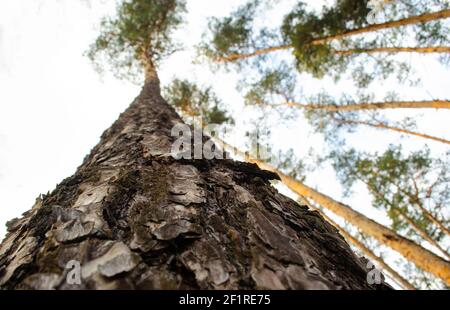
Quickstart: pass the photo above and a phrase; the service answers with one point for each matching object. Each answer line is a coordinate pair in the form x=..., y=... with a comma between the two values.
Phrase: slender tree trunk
x=414, y=199
x=384, y=126
x=234, y=57
x=135, y=217
x=413, y=252
x=422, y=50
x=392, y=24
x=422, y=233
x=402, y=22
x=430, y=104
x=402, y=214
x=394, y=274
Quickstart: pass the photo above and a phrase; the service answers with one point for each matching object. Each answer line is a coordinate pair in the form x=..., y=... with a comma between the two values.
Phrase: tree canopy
x=138, y=37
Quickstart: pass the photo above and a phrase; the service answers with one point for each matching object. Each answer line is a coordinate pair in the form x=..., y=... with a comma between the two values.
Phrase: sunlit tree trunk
x=421, y=50
x=426, y=104
x=234, y=57
x=413, y=252
x=407, y=219
x=422, y=233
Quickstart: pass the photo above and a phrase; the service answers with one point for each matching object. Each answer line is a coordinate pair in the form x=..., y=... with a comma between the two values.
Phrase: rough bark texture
x=135, y=217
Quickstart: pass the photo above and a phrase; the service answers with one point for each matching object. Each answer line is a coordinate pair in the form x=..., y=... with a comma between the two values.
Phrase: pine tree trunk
x=420, y=50
x=421, y=232
x=425, y=104
x=135, y=217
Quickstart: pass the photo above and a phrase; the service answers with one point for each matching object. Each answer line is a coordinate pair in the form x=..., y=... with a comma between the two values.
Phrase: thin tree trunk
x=410, y=221
x=134, y=217
x=234, y=57
x=422, y=50
x=384, y=126
x=392, y=24
x=402, y=22
x=394, y=274
x=423, y=233
x=413, y=252
x=430, y=104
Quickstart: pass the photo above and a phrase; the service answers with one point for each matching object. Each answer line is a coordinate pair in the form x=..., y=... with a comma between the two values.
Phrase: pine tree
x=134, y=216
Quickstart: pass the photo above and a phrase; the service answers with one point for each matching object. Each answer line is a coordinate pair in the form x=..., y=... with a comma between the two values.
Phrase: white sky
x=54, y=106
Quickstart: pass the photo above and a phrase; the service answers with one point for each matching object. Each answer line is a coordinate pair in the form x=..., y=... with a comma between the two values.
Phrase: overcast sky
x=54, y=106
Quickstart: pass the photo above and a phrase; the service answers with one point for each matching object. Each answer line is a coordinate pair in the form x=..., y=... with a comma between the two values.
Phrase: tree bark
x=136, y=218
x=413, y=252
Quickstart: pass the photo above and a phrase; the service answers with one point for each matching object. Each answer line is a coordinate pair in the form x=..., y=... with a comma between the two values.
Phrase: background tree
x=412, y=190
x=330, y=123
x=331, y=41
